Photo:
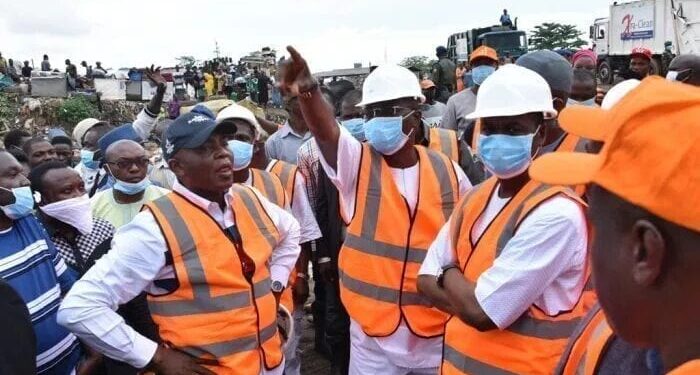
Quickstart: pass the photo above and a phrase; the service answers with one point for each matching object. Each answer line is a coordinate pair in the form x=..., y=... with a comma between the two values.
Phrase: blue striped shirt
x=30, y=264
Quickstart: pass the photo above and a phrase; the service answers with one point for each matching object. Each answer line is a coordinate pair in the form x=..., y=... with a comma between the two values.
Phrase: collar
x=286, y=130
x=199, y=201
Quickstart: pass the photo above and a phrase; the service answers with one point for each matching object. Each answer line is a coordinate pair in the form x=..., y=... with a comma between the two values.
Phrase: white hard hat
x=617, y=92
x=511, y=91
x=235, y=111
x=82, y=127
x=390, y=82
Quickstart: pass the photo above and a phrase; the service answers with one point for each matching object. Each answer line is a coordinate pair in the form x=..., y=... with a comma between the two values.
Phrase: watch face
x=277, y=286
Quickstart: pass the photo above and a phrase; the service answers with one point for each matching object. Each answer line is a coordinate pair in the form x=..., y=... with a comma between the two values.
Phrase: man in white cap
x=251, y=167
x=394, y=198
x=510, y=264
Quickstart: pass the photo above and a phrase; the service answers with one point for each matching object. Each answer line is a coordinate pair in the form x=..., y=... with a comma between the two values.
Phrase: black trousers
x=337, y=330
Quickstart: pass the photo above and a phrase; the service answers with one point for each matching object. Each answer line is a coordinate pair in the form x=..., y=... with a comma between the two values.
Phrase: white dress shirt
x=301, y=208
x=136, y=260
x=543, y=264
x=401, y=347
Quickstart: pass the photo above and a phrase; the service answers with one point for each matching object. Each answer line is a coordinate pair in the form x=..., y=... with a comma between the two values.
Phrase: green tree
x=551, y=35
x=422, y=63
x=186, y=61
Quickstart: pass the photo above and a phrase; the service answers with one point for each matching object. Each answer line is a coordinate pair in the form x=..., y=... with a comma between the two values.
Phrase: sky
x=330, y=34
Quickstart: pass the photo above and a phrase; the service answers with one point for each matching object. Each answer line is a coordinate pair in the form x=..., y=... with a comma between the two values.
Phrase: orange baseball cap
x=651, y=152
x=483, y=52
x=426, y=84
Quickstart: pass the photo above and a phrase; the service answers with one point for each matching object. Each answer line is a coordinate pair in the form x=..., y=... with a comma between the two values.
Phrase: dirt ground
x=312, y=363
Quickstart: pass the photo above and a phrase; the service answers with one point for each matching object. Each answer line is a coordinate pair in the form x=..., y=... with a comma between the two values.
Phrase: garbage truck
x=508, y=41
x=667, y=27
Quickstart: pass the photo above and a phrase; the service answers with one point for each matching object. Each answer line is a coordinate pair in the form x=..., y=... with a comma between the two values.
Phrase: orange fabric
x=650, y=153
x=475, y=136
x=271, y=188
x=287, y=173
x=483, y=52
x=688, y=368
x=445, y=141
x=536, y=341
x=586, y=349
x=386, y=244
x=216, y=313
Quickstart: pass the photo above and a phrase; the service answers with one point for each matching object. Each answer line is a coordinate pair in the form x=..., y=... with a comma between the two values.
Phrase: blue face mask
x=86, y=157
x=588, y=103
x=385, y=134
x=24, y=203
x=481, y=72
x=242, y=154
x=131, y=188
x=356, y=127
x=506, y=156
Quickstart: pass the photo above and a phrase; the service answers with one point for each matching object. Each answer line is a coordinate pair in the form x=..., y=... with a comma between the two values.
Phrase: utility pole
x=217, y=52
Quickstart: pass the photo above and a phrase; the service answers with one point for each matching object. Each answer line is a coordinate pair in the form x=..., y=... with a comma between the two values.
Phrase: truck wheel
x=655, y=66
x=605, y=72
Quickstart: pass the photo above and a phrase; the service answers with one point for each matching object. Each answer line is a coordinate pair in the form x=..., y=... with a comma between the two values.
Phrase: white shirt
x=400, y=347
x=543, y=264
x=301, y=208
x=137, y=258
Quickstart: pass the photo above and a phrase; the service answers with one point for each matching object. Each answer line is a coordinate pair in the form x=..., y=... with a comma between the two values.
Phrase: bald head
x=124, y=148
x=687, y=67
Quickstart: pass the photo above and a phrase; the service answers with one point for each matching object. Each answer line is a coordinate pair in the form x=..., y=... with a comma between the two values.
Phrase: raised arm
x=296, y=79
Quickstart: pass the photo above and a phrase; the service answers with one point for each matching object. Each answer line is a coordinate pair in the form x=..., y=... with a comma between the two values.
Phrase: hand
x=295, y=76
x=300, y=291
x=92, y=360
x=154, y=76
x=329, y=273
x=172, y=362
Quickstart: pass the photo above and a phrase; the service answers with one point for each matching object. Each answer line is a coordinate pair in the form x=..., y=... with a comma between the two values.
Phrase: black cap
x=188, y=131
x=441, y=50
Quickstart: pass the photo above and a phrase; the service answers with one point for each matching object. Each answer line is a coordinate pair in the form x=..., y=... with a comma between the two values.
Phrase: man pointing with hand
x=394, y=198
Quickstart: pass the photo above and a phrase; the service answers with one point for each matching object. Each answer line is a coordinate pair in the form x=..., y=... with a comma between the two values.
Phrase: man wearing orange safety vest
x=644, y=215
x=594, y=348
x=510, y=264
x=213, y=259
x=249, y=165
x=394, y=196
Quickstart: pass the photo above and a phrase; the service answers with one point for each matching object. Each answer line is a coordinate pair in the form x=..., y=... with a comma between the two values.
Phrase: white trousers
x=292, y=354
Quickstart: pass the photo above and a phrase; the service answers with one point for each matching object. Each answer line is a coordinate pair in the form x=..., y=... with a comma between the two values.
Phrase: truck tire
x=605, y=72
x=655, y=67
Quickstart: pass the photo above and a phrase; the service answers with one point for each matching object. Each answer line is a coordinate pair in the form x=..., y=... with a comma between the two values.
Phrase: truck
x=667, y=27
x=506, y=40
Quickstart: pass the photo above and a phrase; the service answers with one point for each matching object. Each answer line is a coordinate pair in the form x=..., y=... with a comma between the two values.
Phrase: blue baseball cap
x=122, y=132
x=189, y=131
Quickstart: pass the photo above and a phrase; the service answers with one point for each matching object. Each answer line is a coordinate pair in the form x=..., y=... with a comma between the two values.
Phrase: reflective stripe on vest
x=269, y=185
x=386, y=244
x=586, y=346
x=535, y=341
x=445, y=141
x=287, y=173
x=572, y=143
x=215, y=312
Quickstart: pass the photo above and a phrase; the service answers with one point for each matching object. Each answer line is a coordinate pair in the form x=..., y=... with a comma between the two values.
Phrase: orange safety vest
x=386, y=244
x=271, y=188
x=269, y=185
x=445, y=141
x=215, y=312
x=572, y=143
x=587, y=346
x=532, y=344
x=287, y=173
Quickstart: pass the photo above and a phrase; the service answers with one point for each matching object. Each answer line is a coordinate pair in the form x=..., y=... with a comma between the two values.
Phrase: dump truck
x=506, y=40
x=667, y=27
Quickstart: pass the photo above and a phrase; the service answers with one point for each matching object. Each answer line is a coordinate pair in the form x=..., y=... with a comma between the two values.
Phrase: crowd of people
x=533, y=224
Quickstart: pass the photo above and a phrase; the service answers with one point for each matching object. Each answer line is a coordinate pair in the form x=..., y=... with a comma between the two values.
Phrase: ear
x=559, y=104
x=538, y=140
x=649, y=253
x=176, y=167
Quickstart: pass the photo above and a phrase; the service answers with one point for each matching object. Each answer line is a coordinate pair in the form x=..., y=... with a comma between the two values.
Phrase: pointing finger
x=294, y=54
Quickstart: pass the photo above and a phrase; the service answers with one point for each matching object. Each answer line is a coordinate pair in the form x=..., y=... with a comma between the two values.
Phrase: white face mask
x=75, y=212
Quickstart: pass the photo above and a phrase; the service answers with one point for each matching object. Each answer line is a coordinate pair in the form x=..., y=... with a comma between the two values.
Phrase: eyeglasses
x=127, y=163
x=393, y=111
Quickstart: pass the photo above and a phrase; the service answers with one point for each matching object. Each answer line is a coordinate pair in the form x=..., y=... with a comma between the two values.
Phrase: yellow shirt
x=688, y=368
x=119, y=214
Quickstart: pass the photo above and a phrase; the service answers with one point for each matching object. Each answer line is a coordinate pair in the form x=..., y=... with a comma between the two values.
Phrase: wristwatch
x=277, y=287
x=441, y=276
